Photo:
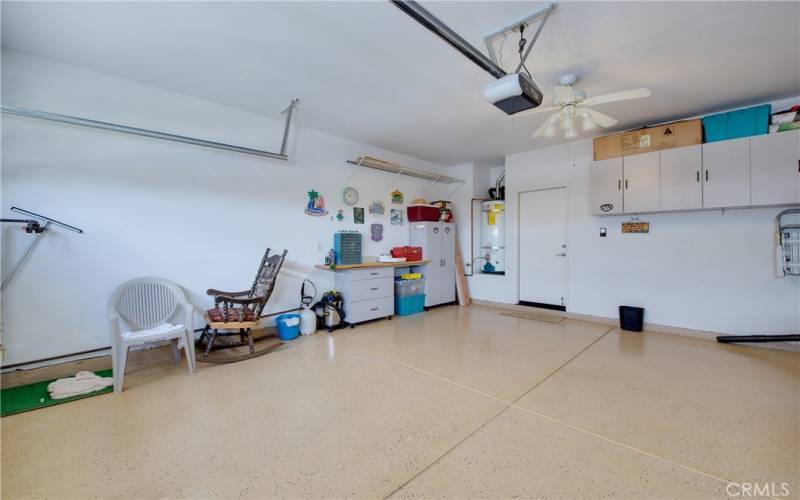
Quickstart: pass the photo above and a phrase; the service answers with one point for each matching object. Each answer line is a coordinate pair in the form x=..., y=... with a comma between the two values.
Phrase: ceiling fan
x=572, y=103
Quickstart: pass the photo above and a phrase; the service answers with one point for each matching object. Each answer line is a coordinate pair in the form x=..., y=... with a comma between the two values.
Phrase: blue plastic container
x=412, y=304
x=288, y=326
x=738, y=123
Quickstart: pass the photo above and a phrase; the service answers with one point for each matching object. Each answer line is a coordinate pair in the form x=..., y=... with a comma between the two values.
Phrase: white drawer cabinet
x=726, y=173
x=681, y=184
x=606, y=186
x=775, y=168
x=367, y=293
x=642, y=184
x=366, y=310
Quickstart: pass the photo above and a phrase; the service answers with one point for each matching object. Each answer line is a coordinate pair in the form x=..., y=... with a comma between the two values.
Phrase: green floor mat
x=32, y=396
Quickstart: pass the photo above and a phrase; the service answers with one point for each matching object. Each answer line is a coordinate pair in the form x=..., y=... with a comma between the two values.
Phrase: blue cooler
x=288, y=326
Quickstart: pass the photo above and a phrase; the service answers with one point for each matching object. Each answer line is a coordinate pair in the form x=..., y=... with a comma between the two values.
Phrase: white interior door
x=543, y=246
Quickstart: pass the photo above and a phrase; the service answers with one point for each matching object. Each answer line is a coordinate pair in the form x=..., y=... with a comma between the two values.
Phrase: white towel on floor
x=82, y=383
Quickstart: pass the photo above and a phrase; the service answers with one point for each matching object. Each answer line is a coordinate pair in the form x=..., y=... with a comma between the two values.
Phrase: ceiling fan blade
x=617, y=96
x=599, y=118
x=531, y=111
x=540, y=131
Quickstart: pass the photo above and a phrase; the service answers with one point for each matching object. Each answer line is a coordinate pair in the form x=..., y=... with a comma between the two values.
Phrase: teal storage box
x=743, y=122
x=347, y=247
x=412, y=304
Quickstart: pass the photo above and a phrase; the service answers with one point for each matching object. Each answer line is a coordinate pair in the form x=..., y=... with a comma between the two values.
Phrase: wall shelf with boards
x=757, y=171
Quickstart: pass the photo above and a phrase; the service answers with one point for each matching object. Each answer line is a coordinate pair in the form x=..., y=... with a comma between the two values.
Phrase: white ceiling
x=366, y=71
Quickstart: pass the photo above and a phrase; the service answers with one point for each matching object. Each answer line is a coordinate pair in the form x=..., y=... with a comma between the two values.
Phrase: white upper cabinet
x=642, y=184
x=606, y=186
x=775, y=168
x=726, y=173
x=681, y=184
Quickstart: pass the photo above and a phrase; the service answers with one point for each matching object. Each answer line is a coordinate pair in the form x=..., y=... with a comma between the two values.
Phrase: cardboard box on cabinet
x=671, y=135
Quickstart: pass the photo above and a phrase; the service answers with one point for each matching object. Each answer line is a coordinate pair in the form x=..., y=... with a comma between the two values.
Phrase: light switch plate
x=602, y=232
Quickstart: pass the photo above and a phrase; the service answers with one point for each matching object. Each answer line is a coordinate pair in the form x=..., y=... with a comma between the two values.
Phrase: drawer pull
x=374, y=309
x=374, y=289
x=373, y=274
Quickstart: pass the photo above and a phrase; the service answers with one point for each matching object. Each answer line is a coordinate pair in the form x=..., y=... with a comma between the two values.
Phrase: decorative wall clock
x=350, y=195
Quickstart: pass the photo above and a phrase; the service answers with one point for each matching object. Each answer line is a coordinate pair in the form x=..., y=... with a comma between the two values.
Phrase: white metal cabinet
x=681, y=184
x=438, y=242
x=606, y=186
x=367, y=293
x=726, y=173
x=642, y=184
x=775, y=168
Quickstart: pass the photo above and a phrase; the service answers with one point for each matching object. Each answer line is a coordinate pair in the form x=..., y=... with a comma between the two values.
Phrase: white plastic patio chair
x=139, y=311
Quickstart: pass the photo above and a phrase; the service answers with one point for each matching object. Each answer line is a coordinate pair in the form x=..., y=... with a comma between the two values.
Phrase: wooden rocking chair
x=241, y=310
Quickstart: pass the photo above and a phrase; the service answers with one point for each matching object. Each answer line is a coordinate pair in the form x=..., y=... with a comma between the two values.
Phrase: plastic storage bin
x=631, y=318
x=412, y=304
x=738, y=123
x=288, y=326
x=407, y=288
x=422, y=213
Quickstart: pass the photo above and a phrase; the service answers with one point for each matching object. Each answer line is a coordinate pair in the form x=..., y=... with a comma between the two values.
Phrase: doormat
x=549, y=318
x=29, y=397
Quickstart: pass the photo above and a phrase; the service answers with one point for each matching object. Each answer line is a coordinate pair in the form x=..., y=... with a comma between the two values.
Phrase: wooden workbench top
x=370, y=265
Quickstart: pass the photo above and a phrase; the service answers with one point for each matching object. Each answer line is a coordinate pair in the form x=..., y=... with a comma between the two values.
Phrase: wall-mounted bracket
x=40, y=228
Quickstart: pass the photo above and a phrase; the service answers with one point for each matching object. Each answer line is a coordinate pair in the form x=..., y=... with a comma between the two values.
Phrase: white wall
x=699, y=270
x=198, y=216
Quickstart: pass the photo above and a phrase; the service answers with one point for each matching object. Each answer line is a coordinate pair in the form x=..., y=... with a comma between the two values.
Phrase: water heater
x=493, y=237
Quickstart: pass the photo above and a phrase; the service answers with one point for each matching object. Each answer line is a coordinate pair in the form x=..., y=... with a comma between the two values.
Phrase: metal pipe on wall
x=154, y=134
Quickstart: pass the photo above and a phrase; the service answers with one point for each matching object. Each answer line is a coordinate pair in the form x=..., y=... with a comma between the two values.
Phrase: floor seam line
x=424, y=372
x=449, y=450
x=620, y=444
x=570, y=360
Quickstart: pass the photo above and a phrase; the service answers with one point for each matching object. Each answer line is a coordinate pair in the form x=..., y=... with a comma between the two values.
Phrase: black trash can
x=631, y=318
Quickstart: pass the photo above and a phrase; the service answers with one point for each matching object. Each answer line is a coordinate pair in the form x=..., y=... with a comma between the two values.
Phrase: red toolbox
x=420, y=213
x=410, y=253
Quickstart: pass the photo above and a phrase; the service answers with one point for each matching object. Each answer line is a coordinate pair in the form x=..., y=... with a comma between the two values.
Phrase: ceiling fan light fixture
x=588, y=124
x=549, y=130
x=571, y=133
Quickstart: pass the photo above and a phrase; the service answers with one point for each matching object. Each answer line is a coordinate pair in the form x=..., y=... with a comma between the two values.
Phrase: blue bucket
x=288, y=326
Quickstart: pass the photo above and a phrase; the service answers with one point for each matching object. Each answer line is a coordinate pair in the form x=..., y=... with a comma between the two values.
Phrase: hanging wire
x=522, y=42
x=500, y=50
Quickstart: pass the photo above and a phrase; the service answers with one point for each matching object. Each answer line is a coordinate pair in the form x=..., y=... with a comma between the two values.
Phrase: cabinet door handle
x=698, y=176
x=374, y=309
x=619, y=184
x=626, y=183
x=374, y=289
x=706, y=175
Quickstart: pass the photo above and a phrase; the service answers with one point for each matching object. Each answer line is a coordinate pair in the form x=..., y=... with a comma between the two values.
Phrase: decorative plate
x=350, y=195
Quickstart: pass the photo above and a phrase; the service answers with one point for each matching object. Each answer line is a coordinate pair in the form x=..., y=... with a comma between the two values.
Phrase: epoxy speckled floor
x=453, y=403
